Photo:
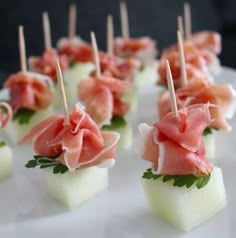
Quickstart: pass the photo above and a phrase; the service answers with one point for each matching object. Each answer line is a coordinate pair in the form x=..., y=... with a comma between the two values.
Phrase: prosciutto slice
x=75, y=50
x=102, y=97
x=174, y=144
x=202, y=91
x=46, y=64
x=5, y=117
x=79, y=145
x=195, y=64
x=29, y=90
x=143, y=48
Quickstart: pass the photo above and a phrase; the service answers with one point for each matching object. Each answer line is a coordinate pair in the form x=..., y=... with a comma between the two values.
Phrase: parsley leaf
x=2, y=144
x=23, y=115
x=207, y=131
x=45, y=162
x=180, y=180
x=117, y=122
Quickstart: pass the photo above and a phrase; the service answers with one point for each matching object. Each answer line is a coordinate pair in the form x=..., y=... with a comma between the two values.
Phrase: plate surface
x=26, y=210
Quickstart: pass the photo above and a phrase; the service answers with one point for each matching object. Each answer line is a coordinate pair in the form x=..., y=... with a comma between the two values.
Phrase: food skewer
x=180, y=26
x=95, y=54
x=22, y=49
x=110, y=36
x=182, y=60
x=46, y=31
x=187, y=20
x=124, y=20
x=72, y=22
x=171, y=89
x=62, y=93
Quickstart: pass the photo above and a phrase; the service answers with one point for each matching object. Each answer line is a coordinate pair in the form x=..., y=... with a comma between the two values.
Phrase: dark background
x=156, y=18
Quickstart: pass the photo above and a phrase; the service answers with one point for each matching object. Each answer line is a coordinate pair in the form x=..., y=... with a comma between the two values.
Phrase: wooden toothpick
x=23, y=64
x=46, y=31
x=124, y=20
x=182, y=60
x=180, y=26
x=62, y=92
x=95, y=54
x=187, y=20
x=72, y=21
x=110, y=35
x=171, y=89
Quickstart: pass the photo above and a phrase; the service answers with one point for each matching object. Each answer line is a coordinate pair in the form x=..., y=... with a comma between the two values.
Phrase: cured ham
x=45, y=64
x=118, y=68
x=143, y=48
x=5, y=117
x=202, y=91
x=209, y=40
x=75, y=50
x=174, y=144
x=78, y=145
x=195, y=64
x=29, y=90
x=102, y=97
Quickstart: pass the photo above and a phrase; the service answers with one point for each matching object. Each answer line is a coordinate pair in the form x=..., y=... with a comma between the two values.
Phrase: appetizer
x=182, y=187
x=5, y=150
x=30, y=96
x=102, y=96
x=74, y=153
x=143, y=49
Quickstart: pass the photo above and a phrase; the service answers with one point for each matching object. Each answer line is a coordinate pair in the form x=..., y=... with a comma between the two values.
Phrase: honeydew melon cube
x=72, y=77
x=126, y=136
x=73, y=189
x=5, y=162
x=146, y=76
x=184, y=207
x=131, y=97
x=14, y=131
x=209, y=142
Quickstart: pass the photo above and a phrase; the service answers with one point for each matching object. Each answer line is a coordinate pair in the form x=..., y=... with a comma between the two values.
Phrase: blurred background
x=155, y=18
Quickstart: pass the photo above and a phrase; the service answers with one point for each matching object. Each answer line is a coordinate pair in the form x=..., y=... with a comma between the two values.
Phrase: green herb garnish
x=45, y=162
x=2, y=144
x=207, y=131
x=117, y=122
x=72, y=64
x=180, y=180
x=23, y=115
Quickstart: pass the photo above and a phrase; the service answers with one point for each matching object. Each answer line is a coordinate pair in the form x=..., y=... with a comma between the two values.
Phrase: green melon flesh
x=73, y=189
x=184, y=207
x=14, y=131
x=209, y=142
x=5, y=162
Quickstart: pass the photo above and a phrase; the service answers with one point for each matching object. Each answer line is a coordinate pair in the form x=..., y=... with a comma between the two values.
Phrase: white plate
x=26, y=210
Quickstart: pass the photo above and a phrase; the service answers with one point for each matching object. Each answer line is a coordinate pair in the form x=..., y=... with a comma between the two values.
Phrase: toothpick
x=182, y=60
x=171, y=90
x=124, y=19
x=23, y=64
x=187, y=20
x=110, y=35
x=46, y=31
x=180, y=26
x=62, y=92
x=72, y=21
x=95, y=54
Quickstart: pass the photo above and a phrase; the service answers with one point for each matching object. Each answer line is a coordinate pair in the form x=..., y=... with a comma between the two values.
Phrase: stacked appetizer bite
x=74, y=153
x=5, y=150
x=30, y=96
x=102, y=96
x=143, y=49
x=207, y=42
x=182, y=187
x=79, y=54
x=45, y=64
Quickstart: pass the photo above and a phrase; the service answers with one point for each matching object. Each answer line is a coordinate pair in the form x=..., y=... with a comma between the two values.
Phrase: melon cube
x=73, y=189
x=5, y=162
x=184, y=207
